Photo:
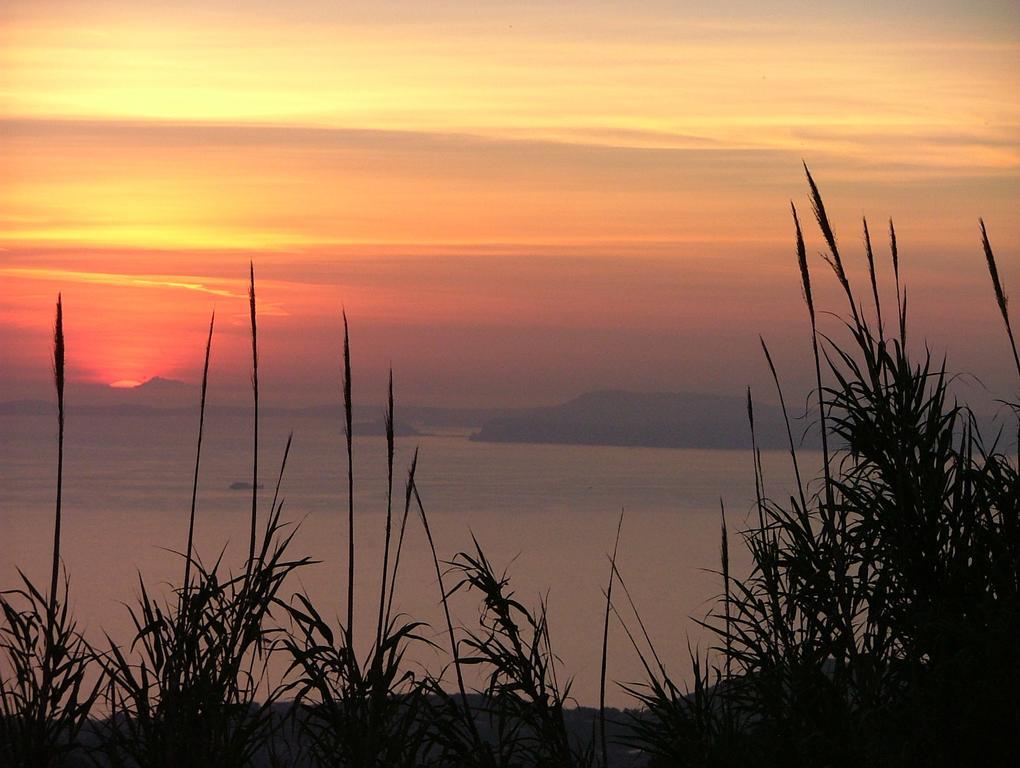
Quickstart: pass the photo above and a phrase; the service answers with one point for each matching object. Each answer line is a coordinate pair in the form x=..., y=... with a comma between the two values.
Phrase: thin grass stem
x=255, y=436
x=461, y=687
x=724, y=554
x=58, y=377
x=1000, y=296
x=786, y=420
x=901, y=306
x=400, y=537
x=349, y=434
x=198, y=458
x=806, y=282
x=605, y=647
x=641, y=623
x=389, y=510
x=874, y=280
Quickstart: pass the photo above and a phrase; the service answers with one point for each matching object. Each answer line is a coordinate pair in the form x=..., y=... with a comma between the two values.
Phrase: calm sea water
x=546, y=513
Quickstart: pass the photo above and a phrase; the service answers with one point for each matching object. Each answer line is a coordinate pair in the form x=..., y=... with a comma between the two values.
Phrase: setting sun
x=346, y=150
x=486, y=384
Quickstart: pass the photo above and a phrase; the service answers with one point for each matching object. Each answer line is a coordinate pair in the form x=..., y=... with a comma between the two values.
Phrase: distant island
x=240, y=485
x=613, y=417
x=655, y=420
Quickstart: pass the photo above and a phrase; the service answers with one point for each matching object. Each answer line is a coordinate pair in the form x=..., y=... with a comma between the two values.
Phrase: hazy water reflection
x=547, y=512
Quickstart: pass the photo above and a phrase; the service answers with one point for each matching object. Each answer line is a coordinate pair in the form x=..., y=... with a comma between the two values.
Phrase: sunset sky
x=516, y=202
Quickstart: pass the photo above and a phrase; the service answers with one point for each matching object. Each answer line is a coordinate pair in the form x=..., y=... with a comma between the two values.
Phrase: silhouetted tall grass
x=878, y=623
x=876, y=626
x=46, y=689
x=522, y=704
x=348, y=711
x=192, y=689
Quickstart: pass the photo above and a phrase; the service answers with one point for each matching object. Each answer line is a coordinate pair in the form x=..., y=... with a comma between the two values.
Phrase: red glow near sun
x=125, y=384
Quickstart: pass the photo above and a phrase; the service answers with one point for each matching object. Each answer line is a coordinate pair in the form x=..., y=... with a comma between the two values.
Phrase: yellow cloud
x=107, y=278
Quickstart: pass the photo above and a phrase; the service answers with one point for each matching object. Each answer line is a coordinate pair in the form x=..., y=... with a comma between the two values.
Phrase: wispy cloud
x=110, y=278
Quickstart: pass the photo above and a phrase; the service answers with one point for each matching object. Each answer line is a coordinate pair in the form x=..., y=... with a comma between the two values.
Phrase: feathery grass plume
x=58, y=379
x=198, y=458
x=805, y=277
x=605, y=647
x=349, y=434
x=870, y=630
x=823, y=221
x=836, y=262
x=874, y=281
x=901, y=308
x=45, y=696
x=759, y=491
x=818, y=206
x=255, y=394
x=388, y=423
x=1000, y=296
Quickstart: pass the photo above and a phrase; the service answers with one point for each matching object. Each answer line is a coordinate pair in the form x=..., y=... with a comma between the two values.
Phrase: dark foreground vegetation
x=877, y=625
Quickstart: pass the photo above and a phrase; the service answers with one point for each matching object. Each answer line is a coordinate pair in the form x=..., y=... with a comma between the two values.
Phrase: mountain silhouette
x=657, y=420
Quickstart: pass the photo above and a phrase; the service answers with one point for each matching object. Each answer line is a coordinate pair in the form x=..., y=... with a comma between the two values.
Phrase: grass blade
x=58, y=378
x=349, y=434
x=198, y=457
x=874, y=281
x=389, y=509
x=255, y=394
x=1000, y=296
x=605, y=647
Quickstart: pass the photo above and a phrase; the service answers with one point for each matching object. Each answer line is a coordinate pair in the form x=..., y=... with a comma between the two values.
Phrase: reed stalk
x=255, y=438
x=605, y=646
x=805, y=277
x=58, y=378
x=870, y=254
x=724, y=556
x=198, y=458
x=786, y=421
x=388, y=422
x=901, y=302
x=349, y=434
x=1000, y=296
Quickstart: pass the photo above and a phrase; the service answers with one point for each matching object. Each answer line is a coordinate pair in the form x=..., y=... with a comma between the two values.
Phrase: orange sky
x=516, y=202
